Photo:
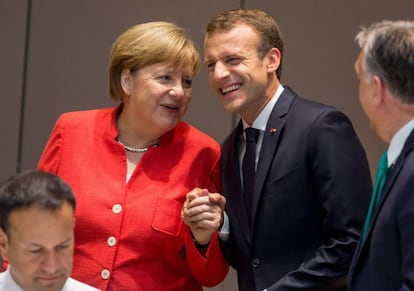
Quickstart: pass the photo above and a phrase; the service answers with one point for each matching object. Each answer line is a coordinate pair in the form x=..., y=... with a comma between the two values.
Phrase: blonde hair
x=146, y=44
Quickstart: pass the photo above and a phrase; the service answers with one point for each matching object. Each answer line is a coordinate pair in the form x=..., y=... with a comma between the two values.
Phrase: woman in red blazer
x=131, y=166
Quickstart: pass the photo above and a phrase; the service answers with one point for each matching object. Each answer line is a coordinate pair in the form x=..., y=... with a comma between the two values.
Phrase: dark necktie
x=380, y=179
x=249, y=169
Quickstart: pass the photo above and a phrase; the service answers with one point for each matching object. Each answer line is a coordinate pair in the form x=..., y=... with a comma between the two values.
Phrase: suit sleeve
x=342, y=184
x=405, y=184
x=210, y=269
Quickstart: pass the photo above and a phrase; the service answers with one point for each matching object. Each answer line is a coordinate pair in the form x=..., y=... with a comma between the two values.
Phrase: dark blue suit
x=385, y=260
x=310, y=200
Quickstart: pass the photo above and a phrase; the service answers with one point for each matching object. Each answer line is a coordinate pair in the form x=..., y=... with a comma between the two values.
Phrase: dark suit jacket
x=385, y=260
x=311, y=195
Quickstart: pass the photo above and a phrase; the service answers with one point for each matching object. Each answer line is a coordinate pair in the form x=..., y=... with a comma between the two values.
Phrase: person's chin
x=231, y=106
x=51, y=283
x=168, y=123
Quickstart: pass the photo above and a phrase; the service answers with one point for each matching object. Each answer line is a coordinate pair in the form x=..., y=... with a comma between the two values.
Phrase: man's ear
x=127, y=81
x=4, y=244
x=378, y=89
x=274, y=58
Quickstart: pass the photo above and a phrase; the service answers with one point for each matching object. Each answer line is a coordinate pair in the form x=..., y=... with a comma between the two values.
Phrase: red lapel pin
x=272, y=130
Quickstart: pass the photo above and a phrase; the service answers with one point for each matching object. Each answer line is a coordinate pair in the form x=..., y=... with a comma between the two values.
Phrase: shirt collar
x=261, y=120
x=398, y=141
x=9, y=283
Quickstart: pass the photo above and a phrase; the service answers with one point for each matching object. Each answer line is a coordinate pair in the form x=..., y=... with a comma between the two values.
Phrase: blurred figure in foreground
x=36, y=234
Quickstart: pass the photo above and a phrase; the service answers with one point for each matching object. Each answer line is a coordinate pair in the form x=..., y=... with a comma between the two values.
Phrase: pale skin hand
x=203, y=213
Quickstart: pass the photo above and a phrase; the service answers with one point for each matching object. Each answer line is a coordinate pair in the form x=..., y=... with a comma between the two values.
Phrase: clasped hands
x=203, y=213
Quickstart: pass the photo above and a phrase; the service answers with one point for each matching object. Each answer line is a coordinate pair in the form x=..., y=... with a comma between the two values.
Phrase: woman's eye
x=165, y=77
x=187, y=83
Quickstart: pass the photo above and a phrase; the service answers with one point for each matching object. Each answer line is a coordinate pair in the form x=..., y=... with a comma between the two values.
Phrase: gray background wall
x=54, y=57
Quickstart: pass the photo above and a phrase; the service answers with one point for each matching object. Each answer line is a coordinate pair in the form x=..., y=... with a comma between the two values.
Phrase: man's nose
x=220, y=70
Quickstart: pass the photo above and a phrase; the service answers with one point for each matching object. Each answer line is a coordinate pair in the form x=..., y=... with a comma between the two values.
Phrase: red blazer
x=129, y=236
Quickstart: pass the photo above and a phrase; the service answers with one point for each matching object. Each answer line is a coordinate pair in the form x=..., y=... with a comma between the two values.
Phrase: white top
x=7, y=283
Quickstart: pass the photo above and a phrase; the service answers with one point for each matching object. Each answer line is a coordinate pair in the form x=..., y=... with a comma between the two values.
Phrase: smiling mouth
x=170, y=107
x=230, y=89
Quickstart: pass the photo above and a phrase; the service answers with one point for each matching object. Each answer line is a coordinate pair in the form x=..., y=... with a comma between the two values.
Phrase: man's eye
x=234, y=61
x=62, y=247
x=35, y=251
x=210, y=67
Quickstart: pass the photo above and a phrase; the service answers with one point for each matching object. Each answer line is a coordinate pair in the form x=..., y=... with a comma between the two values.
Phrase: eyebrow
x=68, y=240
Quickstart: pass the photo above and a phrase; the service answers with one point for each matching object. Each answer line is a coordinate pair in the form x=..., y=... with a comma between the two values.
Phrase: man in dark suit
x=312, y=184
x=385, y=68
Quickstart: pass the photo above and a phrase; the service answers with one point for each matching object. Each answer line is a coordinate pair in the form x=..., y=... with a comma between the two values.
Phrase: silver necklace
x=135, y=150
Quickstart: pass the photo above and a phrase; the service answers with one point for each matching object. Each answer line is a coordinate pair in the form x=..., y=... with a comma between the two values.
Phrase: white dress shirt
x=259, y=123
x=7, y=283
x=397, y=142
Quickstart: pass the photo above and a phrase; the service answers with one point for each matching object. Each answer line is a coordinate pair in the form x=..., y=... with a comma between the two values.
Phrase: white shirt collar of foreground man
x=8, y=284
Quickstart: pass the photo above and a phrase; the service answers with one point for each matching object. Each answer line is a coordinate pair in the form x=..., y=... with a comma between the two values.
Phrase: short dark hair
x=261, y=22
x=33, y=188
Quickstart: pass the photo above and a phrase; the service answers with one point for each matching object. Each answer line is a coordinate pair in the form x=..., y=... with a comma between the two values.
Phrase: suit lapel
x=271, y=138
x=390, y=180
x=409, y=146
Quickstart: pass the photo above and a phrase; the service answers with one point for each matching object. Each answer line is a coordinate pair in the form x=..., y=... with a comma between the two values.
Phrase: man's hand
x=203, y=213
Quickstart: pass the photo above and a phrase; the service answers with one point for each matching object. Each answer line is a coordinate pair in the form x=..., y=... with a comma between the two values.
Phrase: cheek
x=211, y=79
x=13, y=253
x=361, y=92
x=25, y=262
x=362, y=101
x=365, y=106
x=186, y=102
x=66, y=258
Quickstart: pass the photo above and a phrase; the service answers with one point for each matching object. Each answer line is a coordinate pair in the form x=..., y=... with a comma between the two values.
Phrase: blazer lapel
x=271, y=138
x=409, y=146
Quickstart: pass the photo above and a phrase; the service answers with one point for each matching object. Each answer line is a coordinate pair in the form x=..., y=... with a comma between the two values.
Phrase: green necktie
x=381, y=177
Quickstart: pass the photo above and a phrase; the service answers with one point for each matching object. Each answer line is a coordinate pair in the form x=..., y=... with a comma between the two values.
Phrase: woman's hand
x=203, y=213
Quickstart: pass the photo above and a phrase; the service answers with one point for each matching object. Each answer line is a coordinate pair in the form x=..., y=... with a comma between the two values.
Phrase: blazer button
x=111, y=241
x=117, y=208
x=105, y=274
x=255, y=262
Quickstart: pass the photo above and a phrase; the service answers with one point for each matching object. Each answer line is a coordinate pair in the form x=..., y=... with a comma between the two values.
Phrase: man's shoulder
x=75, y=285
